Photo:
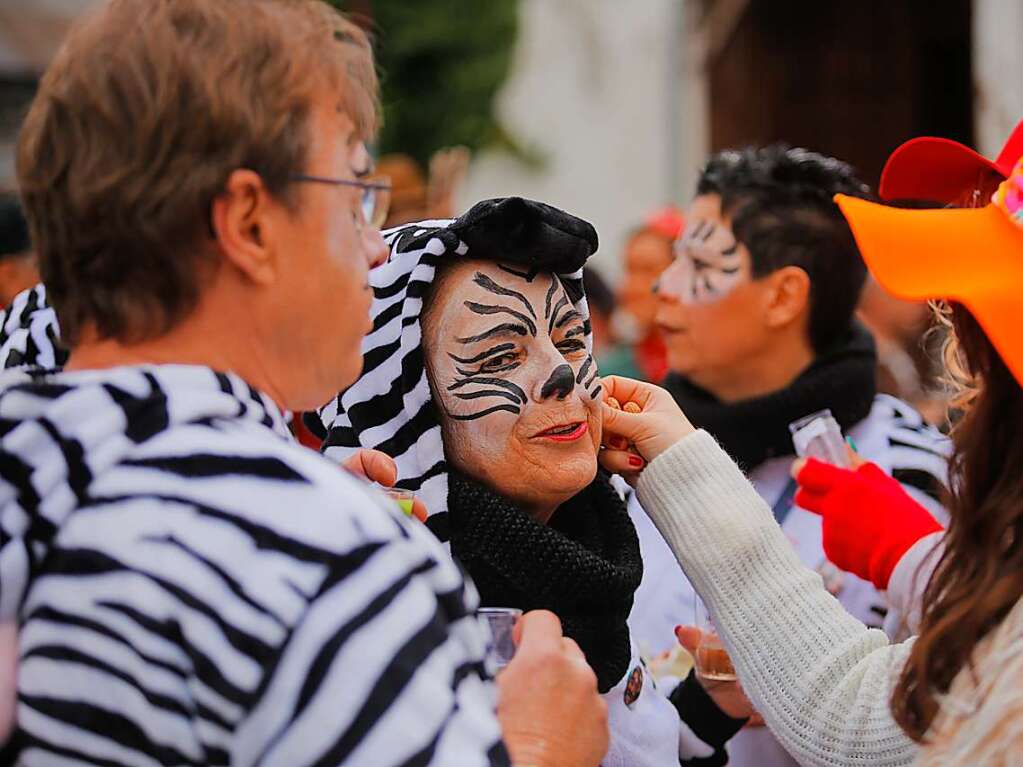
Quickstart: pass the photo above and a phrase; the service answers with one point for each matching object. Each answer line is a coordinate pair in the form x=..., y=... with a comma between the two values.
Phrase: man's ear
x=789, y=296
x=242, y=220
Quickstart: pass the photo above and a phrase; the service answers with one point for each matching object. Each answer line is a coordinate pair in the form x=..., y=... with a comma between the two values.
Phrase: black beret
x=528, y=233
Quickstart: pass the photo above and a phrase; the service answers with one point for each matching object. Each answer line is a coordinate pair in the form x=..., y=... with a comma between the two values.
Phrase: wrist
x=669, y=433
x=887, y=557
x=529, y=751
x=703, y=714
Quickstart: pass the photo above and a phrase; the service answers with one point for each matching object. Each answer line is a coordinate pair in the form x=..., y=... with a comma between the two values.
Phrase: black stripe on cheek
x=488, y=393
x=488, y=371
x=514, y=388
x=482, y=355
x=583, y=370
x=488, y=411
x=562, y=302
x=592, y=379
x=595, y=393
x=550, y=295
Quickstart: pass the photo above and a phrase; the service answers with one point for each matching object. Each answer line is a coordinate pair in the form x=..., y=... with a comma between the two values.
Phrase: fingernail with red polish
x=635, y=460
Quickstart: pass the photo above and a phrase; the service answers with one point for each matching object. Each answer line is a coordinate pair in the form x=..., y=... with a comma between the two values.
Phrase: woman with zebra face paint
x=515, y=382
x=478, y=380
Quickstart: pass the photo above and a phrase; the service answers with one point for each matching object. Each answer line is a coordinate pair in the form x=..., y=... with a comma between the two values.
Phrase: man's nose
x=670, y=286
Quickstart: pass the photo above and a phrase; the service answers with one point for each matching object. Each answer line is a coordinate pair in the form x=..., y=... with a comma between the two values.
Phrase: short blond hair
x=139, y=121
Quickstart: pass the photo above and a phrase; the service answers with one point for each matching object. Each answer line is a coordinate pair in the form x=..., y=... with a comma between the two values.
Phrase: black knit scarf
x=755, y=430
x=584, y=566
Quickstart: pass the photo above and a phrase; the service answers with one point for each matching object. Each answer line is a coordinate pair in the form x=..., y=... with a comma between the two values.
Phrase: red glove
x=870, y=521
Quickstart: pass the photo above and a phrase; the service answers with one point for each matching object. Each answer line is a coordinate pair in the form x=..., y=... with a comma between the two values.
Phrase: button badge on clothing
x=634, y=686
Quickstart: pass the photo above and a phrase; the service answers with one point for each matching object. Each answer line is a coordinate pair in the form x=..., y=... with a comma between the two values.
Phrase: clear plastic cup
x=499, y=622
x=712, y=660
x=819, y=436
x=404, y=498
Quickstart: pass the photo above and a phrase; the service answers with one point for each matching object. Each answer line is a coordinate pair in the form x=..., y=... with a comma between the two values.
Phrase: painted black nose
x=561, y=383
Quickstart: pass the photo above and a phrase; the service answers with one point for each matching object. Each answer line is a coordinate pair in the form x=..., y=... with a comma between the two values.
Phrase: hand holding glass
x=712, y=661
x=499, y=623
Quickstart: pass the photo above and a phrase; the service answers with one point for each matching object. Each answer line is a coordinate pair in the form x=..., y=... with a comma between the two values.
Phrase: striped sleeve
x=30, y=333
x=374, y=675
x=225, y=600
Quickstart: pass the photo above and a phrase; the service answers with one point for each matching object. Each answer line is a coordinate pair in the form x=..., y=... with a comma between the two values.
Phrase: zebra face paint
x=708, y=264
x=712, y=315
x=516, y=387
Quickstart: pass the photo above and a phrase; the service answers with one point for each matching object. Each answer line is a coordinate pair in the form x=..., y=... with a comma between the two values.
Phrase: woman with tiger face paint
x=479, y=381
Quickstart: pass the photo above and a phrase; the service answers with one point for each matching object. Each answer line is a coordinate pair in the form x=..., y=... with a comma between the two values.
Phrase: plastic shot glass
x=712, y=661
x=403, y=498
x=499, y=622
x=819, y=436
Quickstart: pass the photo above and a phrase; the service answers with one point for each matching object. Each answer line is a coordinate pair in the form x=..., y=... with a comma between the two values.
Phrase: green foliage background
x=441, y=64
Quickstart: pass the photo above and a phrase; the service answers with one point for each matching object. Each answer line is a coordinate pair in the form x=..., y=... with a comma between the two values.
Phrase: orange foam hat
x=973, y=257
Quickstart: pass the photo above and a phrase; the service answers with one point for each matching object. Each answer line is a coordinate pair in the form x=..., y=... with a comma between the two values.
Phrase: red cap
x=667, y=222
x=939, y=169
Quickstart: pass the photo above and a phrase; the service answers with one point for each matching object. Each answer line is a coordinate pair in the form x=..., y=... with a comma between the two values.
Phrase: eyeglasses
x=376, y=195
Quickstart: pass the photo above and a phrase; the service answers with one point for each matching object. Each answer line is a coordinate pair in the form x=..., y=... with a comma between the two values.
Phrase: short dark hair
x=779, y=201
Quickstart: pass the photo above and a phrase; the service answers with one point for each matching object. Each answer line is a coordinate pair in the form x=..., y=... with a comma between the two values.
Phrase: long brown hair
x=979, y=577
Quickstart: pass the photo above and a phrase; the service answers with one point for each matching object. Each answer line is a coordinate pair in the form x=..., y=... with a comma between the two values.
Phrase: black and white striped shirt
x=195, y=588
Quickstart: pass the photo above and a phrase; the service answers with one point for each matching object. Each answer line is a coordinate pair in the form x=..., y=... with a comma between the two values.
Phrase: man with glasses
x=191, y=586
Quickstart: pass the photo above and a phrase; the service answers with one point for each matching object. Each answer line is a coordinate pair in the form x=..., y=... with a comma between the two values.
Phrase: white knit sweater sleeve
x=820, y=678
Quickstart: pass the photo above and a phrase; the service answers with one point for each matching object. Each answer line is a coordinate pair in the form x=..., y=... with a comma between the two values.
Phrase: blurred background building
x=608, y=108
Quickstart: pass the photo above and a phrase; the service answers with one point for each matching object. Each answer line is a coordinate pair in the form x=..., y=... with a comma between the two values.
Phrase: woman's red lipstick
x=568, y=432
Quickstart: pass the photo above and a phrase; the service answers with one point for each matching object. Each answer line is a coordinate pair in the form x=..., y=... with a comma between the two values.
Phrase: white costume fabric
x=195, y=588
x=893, y=436
x=821, y=679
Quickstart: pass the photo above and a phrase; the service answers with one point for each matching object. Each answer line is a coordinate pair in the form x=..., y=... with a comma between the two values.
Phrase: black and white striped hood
x=62, y=431
x=390, y=408
x=30, y=333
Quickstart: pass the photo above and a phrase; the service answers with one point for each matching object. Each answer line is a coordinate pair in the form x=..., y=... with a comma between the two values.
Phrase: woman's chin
x=566, y=476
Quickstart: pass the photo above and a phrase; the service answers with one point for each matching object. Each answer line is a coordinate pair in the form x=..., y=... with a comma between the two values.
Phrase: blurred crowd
x=791, y=420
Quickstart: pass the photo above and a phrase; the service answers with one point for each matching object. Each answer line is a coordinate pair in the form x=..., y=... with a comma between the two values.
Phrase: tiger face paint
x=516, y=387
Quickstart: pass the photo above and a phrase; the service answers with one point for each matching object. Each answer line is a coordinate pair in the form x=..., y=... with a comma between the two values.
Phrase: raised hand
x=379, y=467
x=550, y=712
x=640, y=422
x=869, y=520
